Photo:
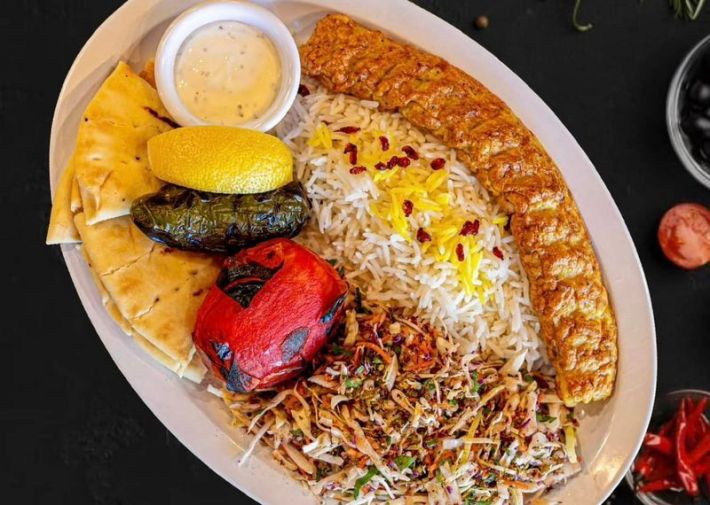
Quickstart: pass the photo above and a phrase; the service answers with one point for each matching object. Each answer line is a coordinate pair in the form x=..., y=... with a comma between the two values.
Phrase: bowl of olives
x=688, y=111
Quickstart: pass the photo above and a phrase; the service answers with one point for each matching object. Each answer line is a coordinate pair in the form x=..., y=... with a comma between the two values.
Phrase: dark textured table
x=71, y=428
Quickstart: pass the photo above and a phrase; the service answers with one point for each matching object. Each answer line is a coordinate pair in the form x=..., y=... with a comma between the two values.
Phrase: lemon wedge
x=221, y=159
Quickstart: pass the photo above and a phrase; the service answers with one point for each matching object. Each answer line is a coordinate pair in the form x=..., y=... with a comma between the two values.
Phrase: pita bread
x=148, y=72
x=61, y=223
x=195, y=370
x=157, y=290
x=110, y=159
x=75, y=201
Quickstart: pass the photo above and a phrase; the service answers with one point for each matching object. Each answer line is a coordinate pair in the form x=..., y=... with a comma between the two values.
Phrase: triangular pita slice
x=61, y=223
x=110, y=159
x=195, y=370
x=148, y=72
x=156, y=289
x=75, y=200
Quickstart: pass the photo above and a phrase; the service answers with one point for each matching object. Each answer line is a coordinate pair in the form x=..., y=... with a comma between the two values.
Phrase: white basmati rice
x=386, y=266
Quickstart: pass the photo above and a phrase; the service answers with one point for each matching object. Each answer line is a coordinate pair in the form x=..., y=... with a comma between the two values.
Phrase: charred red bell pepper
x=683, y=467
x=658, y=443
x=272, y=308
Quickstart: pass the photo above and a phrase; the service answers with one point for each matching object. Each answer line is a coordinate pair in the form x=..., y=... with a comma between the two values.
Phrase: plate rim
x=515, y=82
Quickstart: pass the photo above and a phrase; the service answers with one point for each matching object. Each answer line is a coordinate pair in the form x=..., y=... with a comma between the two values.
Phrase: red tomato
x=684, y=235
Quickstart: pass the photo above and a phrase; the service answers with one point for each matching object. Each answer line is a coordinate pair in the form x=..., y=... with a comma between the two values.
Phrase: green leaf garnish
x=371, y=472
x=403, y=462
x=476, y=386
x=339, y=350
x=353, y=383
x=689, y=9
x=579, y=27
x=542, y=418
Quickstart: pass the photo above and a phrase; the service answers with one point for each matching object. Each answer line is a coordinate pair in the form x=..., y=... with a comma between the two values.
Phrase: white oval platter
x=610, y=433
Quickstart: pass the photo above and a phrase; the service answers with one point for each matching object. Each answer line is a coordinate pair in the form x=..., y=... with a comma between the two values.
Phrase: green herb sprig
x=689, y=9
x=686, y=9
x=575, y=22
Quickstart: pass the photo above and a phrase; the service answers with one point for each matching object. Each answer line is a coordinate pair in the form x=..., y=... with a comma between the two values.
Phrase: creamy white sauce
x=227, y=73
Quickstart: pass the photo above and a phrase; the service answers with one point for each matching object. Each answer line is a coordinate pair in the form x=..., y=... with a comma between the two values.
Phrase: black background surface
x=71, y=428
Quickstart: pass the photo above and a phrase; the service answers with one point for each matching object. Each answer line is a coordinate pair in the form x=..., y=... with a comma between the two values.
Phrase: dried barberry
x=470, y=228
x=410, y=152
x=423, y=236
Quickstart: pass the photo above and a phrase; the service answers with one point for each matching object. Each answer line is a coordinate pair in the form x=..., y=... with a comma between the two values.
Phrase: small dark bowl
x=698, y=168
x=664, y=409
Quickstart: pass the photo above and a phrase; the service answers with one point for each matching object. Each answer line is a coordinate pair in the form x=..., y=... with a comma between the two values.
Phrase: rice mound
x=395, y=269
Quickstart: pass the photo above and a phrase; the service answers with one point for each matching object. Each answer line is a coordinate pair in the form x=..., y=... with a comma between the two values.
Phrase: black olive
x=700, y=92
x=705, y=150
x=704, y=66
x=696, y=125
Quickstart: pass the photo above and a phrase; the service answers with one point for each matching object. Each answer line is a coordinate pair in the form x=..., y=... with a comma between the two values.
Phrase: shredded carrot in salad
x=393, y=413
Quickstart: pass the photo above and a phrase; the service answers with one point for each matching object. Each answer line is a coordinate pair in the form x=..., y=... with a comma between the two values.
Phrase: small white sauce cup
x=210, y=12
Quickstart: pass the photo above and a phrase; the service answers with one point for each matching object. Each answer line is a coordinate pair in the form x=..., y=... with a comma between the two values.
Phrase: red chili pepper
x=658, y=443
x=683, y=468
x=667, y=428
x=694, y=416
x=700, y=450
x=658, y=485
x=702, y=467
x=688, y=405
x=644, y=464
x=664, y=468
